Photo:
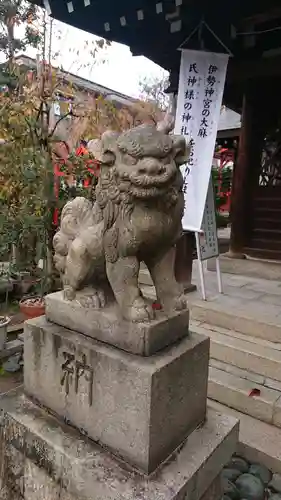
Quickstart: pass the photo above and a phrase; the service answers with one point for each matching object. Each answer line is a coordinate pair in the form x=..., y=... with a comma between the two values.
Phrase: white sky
x=120, y=71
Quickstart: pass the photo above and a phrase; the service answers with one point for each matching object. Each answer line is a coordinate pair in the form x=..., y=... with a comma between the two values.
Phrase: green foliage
x=152, y=90
x=27, y=182
x=26, y=175
x=14, y=13
x=31, y=149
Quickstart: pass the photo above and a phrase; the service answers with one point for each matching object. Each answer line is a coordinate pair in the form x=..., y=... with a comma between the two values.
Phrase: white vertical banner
x=201, y=85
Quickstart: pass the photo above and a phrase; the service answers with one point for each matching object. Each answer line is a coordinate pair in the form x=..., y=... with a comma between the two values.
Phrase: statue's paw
x=180, y=303
x=139, y=312
x=69, y=293
x=94, y=301
x=174, y=303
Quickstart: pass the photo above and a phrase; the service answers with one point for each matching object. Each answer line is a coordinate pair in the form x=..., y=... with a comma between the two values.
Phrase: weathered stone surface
x=136, y=218
x=214, y=492
x=275, y=483
x=250, y=487
x=141, y=408
x=107, y=325
x=43, y=459
x=262, y=472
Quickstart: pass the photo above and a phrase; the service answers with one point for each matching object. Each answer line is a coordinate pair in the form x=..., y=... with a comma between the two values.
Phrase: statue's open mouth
x=148, y=192
x=145, y=185
x=154, y=181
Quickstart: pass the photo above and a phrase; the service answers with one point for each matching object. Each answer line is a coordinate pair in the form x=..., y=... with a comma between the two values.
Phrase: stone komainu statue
x=136, y=217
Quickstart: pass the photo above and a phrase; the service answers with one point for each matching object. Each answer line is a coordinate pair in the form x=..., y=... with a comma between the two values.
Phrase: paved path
x=256, y=298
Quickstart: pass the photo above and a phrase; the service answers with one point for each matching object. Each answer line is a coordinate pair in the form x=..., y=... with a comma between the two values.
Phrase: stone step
x=245, y=374
x=235, y=392
x=242, y=336
x=260, y=320
x=255, y=321
x=258, y=441
x=249, y=353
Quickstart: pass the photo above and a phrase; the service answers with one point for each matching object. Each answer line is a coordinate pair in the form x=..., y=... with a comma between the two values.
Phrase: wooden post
x=241, y=176
x=184, y=259
x=247, y=168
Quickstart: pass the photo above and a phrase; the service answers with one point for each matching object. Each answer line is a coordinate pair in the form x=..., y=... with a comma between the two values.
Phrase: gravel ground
x=242, y=480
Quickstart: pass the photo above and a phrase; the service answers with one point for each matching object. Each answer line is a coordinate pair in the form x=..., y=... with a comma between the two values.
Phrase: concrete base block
x=141, y=408
x=43, y=459
x=107, y=325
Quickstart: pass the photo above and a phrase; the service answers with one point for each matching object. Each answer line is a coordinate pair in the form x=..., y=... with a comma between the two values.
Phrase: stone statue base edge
x=108, y=326
x=45, y=459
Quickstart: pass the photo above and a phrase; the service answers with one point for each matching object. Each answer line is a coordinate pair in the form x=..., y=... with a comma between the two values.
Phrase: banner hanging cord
x=199, y=28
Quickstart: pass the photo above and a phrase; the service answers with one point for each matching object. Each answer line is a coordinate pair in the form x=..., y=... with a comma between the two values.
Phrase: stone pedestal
x=97, y=422
x=108, y=326
x=140, y=408
x=43, y=459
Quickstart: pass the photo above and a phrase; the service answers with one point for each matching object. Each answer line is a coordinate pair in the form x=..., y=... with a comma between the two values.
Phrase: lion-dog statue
x=136, y=218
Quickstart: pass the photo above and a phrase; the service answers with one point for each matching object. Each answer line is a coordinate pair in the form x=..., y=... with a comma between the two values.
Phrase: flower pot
x=4, y=322
x=32, y=307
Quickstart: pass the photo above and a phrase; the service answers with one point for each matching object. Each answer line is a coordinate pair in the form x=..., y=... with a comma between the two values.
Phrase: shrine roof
x=229, y=119
x=156, y=29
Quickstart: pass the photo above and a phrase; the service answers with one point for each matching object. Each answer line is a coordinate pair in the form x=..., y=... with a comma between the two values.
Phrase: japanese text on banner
x=202, y=78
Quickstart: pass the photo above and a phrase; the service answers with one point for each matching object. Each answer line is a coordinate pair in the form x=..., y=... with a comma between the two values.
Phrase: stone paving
x=242, y=292
x=260, y=300
x=257, y=298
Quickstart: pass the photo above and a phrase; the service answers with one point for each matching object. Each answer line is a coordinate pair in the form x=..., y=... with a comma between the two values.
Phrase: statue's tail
x=76, y=216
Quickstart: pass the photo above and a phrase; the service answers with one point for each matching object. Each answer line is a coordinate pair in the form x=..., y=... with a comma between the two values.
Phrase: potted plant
x=23, y=282
x=4, y=322
x=32, y=307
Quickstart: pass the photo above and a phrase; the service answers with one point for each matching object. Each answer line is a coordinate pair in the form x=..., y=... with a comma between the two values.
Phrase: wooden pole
x=247, y=168
x=241, y=176
x=183, y=262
